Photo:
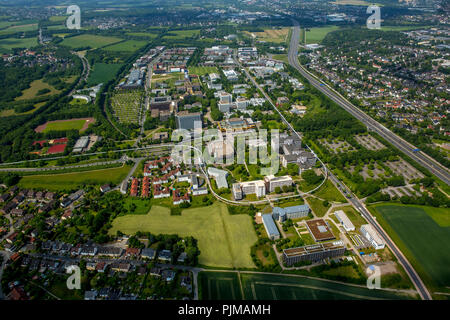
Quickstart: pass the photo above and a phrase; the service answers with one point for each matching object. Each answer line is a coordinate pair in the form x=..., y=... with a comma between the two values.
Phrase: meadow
x=6, y=45
x=223, y=239
x=200, y=71
x=316, y=35
x=102, y=73
x=126, y=46
x=181, y=34
x=422, y=234
x=89, y=40
x=35, y=86
x=71, y=181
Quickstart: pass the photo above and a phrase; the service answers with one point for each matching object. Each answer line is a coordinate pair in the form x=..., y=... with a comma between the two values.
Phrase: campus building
x=270, y=227
x=254, y=187
x=186, y=120
x=344, y=220
x=273, y=182
x=313, y=253
x=294, y=212
x=319, y=230
x=372, y=235
x=220, y=176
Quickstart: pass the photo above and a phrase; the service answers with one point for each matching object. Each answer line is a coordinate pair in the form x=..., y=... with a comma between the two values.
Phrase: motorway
x=386, y=134
x=424, y=160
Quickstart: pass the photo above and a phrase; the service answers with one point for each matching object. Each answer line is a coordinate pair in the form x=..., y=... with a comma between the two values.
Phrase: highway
x=424, y=160
x=386, y=134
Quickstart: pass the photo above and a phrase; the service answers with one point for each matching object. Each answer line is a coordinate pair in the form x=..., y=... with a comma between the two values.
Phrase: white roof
x=344, y=220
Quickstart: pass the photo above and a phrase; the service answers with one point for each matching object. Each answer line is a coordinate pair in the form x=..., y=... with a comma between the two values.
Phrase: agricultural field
x=64, y=125
x=143, y=34
x=89, y=40
x=256, y=286
x=223, y=239
x=316, y=35
x=102, y=73
x=422, y=234
x=33, y=91
x=200, y=71
x=126, y=106
x=71, y=181
x=271, y=35
x=6, y=45
x=19, y=28
x=126, y=46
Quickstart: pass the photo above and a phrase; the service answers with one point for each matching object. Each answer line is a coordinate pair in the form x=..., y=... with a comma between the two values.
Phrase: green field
x=69, y=181
x=353, y=215
x=316, y=35
x=35, y=86
x=224, y=240
x=102, y=73
x=329, y=192
x=227, y=286
x=143, y=34
x=126, y=46
x=317, y=206
x=65, y=125
x=423, y=235
x=181, y=34
x=200, y=71
x=89, y=40
x=19, y=28
x=6, y=45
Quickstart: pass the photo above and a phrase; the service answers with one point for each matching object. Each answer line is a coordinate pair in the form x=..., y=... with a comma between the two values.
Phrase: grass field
x=89, y=40
x=66, y=125
x=6, y=45
x=35, y=86
x=315, y=35
x=19, y=28
x=423, y=234
x=317, y=207
x=223, y=239
x=68, y=181
x=227, y=286
x=272, y=35
x=143, y=34
x=329, y=192
x=181, y=34
x=200, y=71
x=102, y=73
x=126, y=46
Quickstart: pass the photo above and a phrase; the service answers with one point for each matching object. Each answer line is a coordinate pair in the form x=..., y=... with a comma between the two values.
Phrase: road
x=371, y=124
x=85, y=74
x=424, y=160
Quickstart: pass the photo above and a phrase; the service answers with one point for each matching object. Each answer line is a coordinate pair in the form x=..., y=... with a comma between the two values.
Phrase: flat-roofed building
x=372, y=235
x=237, y=191
x=186, y=120
x=313, y=253
x=294, y=212
x=344, y=220
x=221, y=150
x=220, y=176
x=256, y=187
x=319, y=230
x=271, y=228
x=272, y=182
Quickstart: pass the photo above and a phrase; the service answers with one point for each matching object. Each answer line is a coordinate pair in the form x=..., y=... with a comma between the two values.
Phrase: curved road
x=424, y=160
x=439, y=171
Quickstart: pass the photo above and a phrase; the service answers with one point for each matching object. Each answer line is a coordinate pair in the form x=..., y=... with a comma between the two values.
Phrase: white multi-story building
x=372, y=235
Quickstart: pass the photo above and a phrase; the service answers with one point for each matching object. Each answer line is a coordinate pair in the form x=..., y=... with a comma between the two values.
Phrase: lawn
x=181, y=34
x=423, y=234
x=222, y=285
x=272, y=35
x=89, y=40
x=102, y=73
x=316, y=35
x=35, y=86
x=70, y=181
x=329, y=192
x=317, y=206
x=224, y=240
x=6, y=45
x=126, y=46
x=76, y=124
x=200, y=71
x=143, y=206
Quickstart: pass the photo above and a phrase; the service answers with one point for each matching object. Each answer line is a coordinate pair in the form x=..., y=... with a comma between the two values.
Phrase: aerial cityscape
x=224, y=150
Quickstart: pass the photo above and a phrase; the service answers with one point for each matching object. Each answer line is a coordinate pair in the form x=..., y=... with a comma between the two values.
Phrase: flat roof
x=319, y=230
x=271, y=228
x=342, y=217
x=300, y=251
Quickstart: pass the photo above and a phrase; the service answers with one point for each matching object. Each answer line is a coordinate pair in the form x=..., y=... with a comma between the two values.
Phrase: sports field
x=223, y=239
x=68, y=181
x=89, y=40
x=63, y=125
x=257, y=286
x=126, y=46
x=423, y=235
x=102, y=73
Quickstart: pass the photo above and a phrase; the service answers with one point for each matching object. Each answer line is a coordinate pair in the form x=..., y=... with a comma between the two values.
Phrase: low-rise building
x=372, y=235
x=271, y=228
x=344, y=220
x=313, y=253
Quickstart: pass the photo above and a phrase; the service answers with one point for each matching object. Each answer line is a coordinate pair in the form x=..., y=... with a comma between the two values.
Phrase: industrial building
x=270, y=227
x=372, y=235
x=294, y=212
x=313, y=253
x=344, y=220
